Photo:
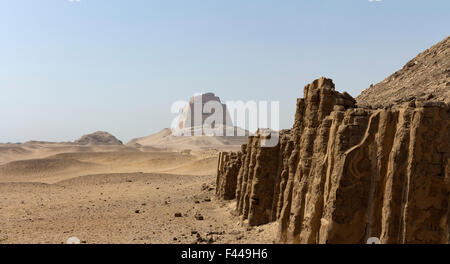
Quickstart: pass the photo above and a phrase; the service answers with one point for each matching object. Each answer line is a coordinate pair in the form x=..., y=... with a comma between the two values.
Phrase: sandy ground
x=166, y=140
x=118, y=197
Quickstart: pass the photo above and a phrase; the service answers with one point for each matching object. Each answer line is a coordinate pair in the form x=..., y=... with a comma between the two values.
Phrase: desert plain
x=112, y=194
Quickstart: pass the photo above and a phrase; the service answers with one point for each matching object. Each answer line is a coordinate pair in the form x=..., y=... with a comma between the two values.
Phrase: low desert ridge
x=50, y=192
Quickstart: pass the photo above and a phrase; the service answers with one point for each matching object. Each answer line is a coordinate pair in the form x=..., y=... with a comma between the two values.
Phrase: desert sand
x=50, y=192
x=165, y=140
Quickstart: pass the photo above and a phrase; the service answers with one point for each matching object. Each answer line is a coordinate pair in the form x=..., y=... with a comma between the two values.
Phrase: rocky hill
x=98, y=138
x=344, y=174
x=425, y=76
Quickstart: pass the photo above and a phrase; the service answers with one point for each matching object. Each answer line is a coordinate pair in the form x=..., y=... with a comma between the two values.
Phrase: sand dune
x=164, y=139
x=115, y=194
x=37, y=170
x=121, y=208
x=64, y=166
x=37, y=150
x=206, y=166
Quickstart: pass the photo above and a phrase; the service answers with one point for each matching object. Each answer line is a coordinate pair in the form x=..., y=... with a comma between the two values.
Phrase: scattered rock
x=207, y=188
x=199, y=217
x=216, y=233
x=235, y=232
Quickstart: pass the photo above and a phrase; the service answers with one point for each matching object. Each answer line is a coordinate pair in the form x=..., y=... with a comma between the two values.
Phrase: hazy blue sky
x=71, y=68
